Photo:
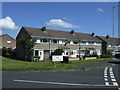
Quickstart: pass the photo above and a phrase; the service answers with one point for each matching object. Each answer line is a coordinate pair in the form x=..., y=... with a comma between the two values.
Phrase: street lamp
x=113, y=26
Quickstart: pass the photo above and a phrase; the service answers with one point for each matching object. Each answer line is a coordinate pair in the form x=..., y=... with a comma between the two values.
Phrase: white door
x=74, y=53
x=38, y=52
x=41, y=54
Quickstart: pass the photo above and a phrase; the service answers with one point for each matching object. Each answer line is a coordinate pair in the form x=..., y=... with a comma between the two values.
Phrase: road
x=96, y=76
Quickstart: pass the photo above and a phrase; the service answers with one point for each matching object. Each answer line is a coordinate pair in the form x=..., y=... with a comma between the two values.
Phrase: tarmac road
x=107, y=77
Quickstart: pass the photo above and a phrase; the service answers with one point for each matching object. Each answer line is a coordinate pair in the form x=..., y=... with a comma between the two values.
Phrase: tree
x=27, y=44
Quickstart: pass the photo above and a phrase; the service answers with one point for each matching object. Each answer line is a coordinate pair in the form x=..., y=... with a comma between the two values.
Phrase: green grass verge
x=91, y=60
x=16, y=65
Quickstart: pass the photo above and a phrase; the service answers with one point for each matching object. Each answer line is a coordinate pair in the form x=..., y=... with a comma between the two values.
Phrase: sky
x=83, y=17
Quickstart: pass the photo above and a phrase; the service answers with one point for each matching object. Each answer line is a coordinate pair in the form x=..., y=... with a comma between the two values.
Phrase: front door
x=73, y=53
x=41, y=54
x=38, y=52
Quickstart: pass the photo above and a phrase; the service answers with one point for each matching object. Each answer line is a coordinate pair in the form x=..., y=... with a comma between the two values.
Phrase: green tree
x=27, y=44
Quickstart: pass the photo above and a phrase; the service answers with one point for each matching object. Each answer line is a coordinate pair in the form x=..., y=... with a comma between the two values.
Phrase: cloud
x=7, y=23
x=100, y=9
x=60, y=23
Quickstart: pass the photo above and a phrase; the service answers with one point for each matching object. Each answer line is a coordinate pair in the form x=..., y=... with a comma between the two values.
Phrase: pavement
x=96, y=75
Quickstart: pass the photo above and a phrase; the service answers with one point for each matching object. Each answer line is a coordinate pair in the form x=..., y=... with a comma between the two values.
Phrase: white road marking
x=52, y=83
x=118, y=88
x=115, y=84
x=106, y=83
x=105, y=79
x=105, y=76
x=113, y=80
x=112, y=76
x=59, y=83
x=111, y=70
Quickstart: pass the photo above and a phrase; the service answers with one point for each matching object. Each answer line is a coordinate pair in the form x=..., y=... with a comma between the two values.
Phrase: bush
x=36, y=58
x=94, y=54
x=57, y=52
x=8, y=52
x=106, y=56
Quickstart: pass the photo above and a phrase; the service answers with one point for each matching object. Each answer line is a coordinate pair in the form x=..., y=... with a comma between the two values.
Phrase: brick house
x=7, y=41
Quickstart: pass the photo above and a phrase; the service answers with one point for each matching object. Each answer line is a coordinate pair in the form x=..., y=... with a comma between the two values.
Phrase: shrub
x=36, y=58
x=57, y=52
x=8, y=52
x=94, y=54
x=106, y=56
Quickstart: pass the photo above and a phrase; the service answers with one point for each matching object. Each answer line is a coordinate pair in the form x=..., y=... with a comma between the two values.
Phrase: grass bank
x=91, y=60
x=16, y=65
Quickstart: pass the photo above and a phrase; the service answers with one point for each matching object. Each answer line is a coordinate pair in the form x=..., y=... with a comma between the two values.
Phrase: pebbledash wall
x=71, y=42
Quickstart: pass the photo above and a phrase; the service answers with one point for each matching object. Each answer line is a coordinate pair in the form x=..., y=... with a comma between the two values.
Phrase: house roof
x=110, y=40
x=60, y=34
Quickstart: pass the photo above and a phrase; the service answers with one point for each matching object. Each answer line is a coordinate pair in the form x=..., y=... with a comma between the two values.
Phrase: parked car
x=116, y=58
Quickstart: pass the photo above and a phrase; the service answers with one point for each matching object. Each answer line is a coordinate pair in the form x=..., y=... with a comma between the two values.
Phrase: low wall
x=86, y=58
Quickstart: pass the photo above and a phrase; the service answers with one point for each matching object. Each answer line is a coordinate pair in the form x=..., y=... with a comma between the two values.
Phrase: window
x=90, y=42
x=75, y=42
x=36, y=53
x=66, y=53
x=55, y=41
x=83, y=42
x=46, y=52
x=8, y=42
x=36, y=39
x=45, y=40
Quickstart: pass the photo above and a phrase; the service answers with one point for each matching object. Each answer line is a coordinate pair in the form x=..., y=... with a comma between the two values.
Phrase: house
x=47, y=40
x=109, y=44
x=7, y=41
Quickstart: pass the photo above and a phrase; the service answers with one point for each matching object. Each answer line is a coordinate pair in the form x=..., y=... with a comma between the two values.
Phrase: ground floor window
x=36, y=52
x=46, y=52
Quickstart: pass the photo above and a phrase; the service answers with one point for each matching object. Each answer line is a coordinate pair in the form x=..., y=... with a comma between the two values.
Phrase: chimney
x=93, y=34
x=107, y=36
x=43, y=29
x=72, y=32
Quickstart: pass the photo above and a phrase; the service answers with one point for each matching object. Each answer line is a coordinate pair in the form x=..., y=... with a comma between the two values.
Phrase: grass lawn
x=91, y=60
x=16, y=65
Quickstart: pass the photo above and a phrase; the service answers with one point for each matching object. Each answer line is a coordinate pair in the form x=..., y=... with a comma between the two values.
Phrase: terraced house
x=110, y=44
x=73, y=43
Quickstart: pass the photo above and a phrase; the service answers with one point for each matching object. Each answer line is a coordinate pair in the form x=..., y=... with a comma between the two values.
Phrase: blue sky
x=84, y=17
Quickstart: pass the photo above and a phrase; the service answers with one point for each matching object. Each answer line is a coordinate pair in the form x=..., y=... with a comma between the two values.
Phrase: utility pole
x=79, y=50
x=113, y=27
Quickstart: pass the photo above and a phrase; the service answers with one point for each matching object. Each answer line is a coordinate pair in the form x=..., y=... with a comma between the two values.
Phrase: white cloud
x=60, y=23
x=7, y=23
x=100, y=9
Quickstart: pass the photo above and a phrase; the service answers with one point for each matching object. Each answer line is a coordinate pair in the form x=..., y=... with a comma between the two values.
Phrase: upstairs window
x=8, y=42
x=75, y=42
x=83, y=42
x=55, y=41
x=45, y=40
x=90, y=42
